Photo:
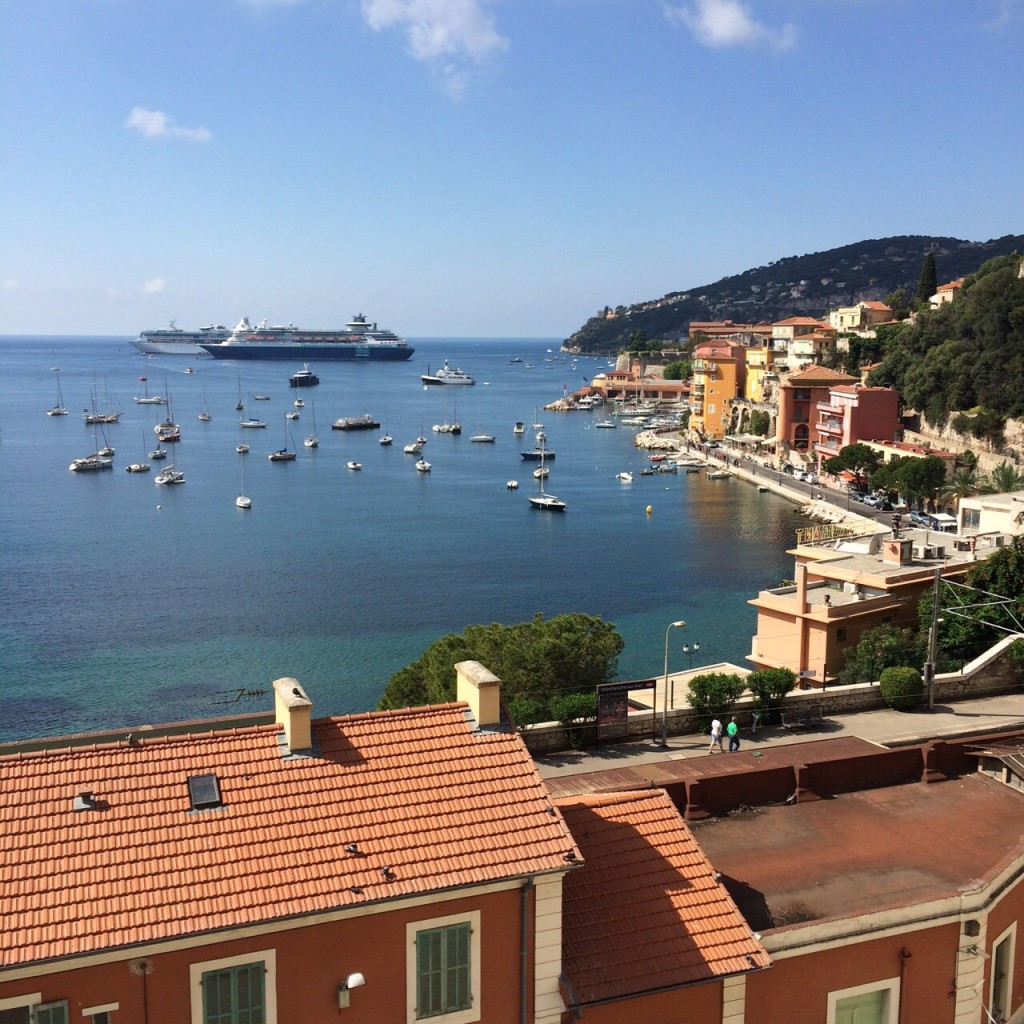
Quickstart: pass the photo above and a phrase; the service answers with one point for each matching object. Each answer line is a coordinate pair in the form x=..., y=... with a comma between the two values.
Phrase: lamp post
x=690, y=652
x=664, y=706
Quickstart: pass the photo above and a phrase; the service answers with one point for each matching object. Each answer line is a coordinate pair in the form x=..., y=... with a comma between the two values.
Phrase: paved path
x=884, y=727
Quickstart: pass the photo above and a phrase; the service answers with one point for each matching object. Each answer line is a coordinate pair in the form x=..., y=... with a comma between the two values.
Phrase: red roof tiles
x=643, y=865
x=417, y=790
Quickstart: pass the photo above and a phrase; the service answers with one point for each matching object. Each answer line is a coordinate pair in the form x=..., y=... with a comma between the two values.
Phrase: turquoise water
x=123, y=603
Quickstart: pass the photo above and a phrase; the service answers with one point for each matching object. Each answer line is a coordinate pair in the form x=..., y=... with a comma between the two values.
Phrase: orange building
x=719, y=376
x=799, y=397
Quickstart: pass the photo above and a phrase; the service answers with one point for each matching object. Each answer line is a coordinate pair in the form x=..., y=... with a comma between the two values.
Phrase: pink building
x=855, y=412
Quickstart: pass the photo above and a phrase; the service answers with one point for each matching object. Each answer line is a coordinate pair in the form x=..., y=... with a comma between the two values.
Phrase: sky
x=479, y=168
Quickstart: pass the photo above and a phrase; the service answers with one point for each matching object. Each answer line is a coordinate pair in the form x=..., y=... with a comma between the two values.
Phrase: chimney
x=292, y=710
x=896, y=551
x=481, y=690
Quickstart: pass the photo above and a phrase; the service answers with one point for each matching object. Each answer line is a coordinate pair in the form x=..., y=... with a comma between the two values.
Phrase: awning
x=848, y=476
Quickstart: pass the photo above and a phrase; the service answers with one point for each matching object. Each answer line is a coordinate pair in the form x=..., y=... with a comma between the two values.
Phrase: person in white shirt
x=716, y=736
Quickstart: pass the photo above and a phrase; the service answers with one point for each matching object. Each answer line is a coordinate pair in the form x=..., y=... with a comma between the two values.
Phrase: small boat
x=482, y=439
x=515, y=359
x=158, y=453
x=146, y=398
x=412, y=449
x=251, y=424
x=242, y=449
x=657, y=458
x=385, y=439
x=293, y=415
x=606, y=424
x=422, y=466
x=718, y=474
x=90, y=464
x=364, y=422
x=299, y=403
x=261, y=398
x=284, y=454
x=354, y=465
x=446, y=375
x=204, y=416
x=662, y=468
x=541, y=472
x=693, y=469
x=138, y=467
x=626, y=478
x=647, y=471
x=512, y=485
x=313, y=441
x=536, y=455
x=519, y=428
x=170, y=475
x=58, y=409
x=547, y=503
x=107, y=452
x=762, y=488
x=242, y=501
x=304, y=378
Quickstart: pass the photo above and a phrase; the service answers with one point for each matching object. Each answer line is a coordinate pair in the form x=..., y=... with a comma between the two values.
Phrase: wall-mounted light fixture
x=354, y=980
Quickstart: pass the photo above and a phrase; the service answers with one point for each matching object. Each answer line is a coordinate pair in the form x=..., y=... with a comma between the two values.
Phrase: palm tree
x=1006, y=477
x=962, y=484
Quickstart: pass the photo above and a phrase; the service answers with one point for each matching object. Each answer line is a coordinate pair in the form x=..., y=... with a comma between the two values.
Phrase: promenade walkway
x=883, y=727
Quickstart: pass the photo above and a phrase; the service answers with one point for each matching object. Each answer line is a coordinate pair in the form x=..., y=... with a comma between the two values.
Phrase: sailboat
x=239, y=405
x=544, y=501
x=251, y=423
x=58, y=409
x=204, y=416
x=170, y=475
x=242, y=501
x=94, y=462
x=312, y=441
x=139, y=467
x=284, y=454
x=146, y=398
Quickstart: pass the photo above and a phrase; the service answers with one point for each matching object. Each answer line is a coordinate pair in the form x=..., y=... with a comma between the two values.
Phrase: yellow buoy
x=649, y=509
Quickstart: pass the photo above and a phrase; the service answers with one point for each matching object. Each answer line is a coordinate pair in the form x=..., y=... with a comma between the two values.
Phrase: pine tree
x=929, y=283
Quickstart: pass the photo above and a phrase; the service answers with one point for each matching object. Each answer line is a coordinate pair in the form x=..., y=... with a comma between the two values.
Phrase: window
x=100, y=1014
x=29, y=1010
x=841, y=634
x=876, y=1003
x=236, y=990
x=444, y=969
x=1002, y=975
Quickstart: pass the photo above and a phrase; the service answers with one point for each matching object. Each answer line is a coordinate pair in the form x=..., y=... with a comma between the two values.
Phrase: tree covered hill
x=793, y=286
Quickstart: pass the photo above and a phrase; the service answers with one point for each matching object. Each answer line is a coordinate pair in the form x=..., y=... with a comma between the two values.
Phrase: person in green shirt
x=733, y=732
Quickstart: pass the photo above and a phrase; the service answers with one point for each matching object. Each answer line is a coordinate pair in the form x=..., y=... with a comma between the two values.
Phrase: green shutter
x=443, y=970
x=51, y=1013
x=235, y=995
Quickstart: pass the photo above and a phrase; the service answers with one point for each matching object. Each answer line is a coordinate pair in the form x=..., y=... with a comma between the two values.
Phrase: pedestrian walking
x=716, y=736
x=734, y=735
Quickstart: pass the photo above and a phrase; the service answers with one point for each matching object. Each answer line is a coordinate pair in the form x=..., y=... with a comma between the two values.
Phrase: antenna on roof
x=240, y=695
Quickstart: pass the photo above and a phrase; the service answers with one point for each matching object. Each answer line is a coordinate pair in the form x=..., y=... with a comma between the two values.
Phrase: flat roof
x=859, y=853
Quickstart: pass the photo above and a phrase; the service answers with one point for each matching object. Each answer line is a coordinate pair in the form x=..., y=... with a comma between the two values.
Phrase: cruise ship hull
x=310, y=352
x=173, y=341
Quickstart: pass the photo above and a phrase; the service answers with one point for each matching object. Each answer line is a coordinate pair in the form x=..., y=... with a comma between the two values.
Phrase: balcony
x=831, y=410
x=831, y=427
x=696, y=408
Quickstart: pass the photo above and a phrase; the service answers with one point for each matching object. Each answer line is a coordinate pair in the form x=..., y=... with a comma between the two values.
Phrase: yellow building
x=760, y=364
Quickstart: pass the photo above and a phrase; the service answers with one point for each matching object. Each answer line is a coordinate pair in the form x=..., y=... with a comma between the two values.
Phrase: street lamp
x=664, y=707
x=690, y=652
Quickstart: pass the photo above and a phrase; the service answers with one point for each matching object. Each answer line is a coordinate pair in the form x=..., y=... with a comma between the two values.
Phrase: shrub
x=712, y=694
x=901, y=687
x=769, y=687
x=571, y=709
x=526, y=711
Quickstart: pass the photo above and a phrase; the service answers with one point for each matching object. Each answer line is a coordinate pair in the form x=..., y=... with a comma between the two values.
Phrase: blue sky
x=477, y=167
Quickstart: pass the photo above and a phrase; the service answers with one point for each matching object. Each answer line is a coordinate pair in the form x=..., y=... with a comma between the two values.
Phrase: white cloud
x=154, y=285
x=446, y=33
x=155, y=124
x=10, y=285
x=719, y=24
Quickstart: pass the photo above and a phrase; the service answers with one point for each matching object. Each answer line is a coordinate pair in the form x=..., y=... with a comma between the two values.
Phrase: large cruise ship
x=357, y=340
x=170, y=341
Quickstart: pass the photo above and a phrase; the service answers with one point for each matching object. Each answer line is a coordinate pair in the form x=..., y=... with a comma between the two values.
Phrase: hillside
x=793, y=286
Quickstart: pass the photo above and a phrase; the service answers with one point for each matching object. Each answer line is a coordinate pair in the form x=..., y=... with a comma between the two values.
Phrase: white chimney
x=293, y=710
x=481, y=690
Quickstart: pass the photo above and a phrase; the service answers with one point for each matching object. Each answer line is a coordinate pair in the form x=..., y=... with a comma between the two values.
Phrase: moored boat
x=304, y=378
x=364, y=422
x=447, y=375
x=173, y=341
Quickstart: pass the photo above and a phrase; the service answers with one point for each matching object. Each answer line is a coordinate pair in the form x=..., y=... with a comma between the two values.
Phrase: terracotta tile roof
x=820, y=375
x=417, y=790
x=876, y=305
x=642, y=864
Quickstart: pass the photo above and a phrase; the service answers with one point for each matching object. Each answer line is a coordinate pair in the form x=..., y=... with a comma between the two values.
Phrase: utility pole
x=933, y=640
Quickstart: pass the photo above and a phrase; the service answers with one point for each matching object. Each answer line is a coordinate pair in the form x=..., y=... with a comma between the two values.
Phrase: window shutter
x=51, y=1013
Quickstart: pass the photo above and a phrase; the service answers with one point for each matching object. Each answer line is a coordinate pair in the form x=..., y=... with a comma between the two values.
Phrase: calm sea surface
x=123, y=603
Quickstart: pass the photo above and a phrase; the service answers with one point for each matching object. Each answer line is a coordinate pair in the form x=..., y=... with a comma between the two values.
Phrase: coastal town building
x=726, y=330
x=799, y=396
x=719, y=376
x=946, y=293
x=861, y=318
x=801, y=340
x=853, y=412
x=635, y=385
x=890, y=450
x=986, y=513
x=392, y=866
x=760, y=369
x=846, y=585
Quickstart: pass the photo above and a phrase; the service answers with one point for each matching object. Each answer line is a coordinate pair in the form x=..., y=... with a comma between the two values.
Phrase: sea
x=123, y=603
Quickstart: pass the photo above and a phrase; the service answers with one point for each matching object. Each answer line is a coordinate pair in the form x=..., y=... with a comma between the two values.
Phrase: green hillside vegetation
x=964, y=362
x=806, y=285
